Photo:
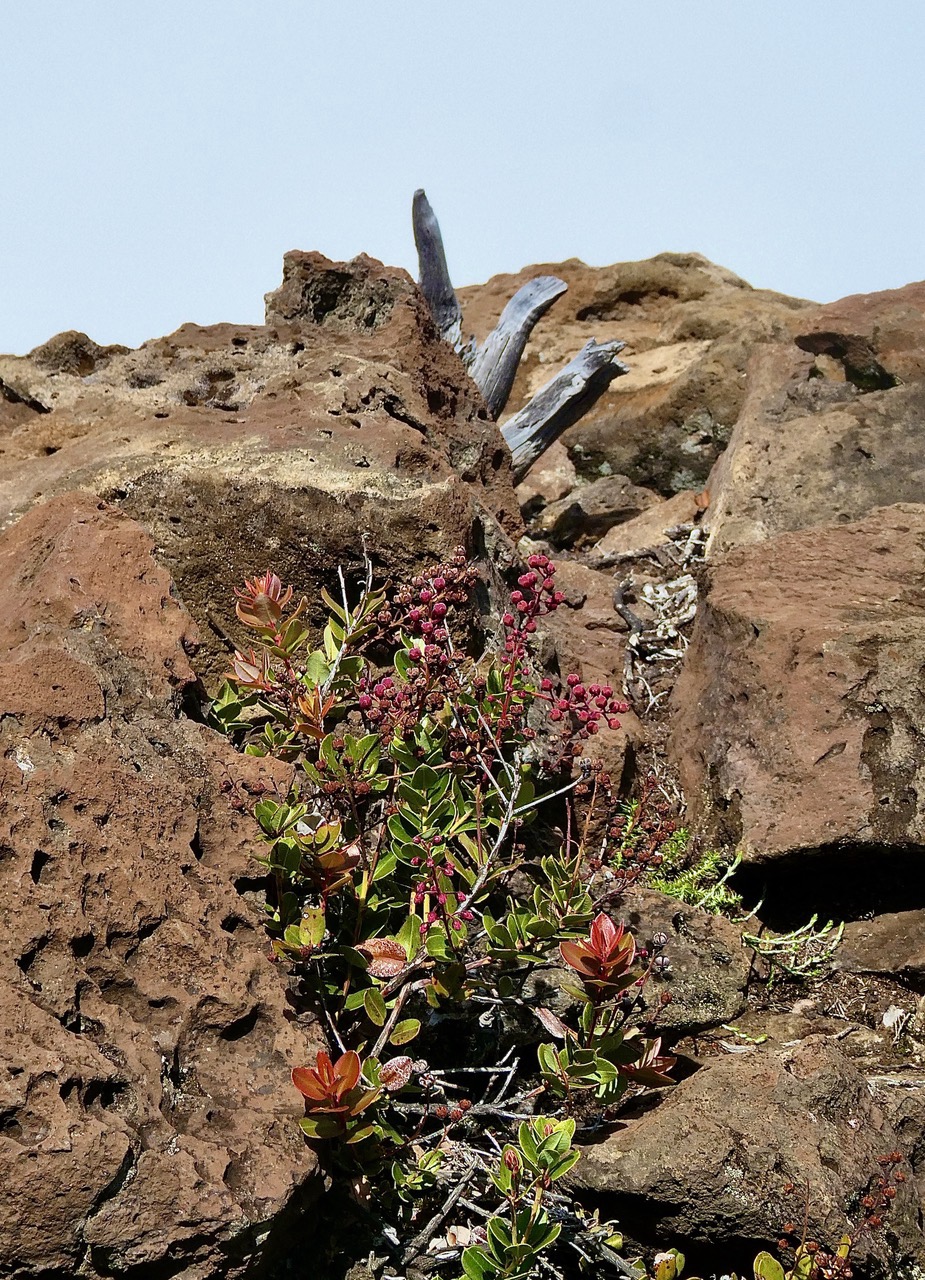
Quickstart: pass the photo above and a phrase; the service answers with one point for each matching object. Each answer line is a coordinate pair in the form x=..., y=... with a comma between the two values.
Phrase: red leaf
x=347, y=1072
x=308, y=1084
x=604, y=936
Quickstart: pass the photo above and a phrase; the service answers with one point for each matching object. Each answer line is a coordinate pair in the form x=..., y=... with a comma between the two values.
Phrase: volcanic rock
x=591, y=509
x=798, y=715
x=344, y=420
x=148, y=1125
x=689, y=326
x=712, y=1160
x=832, y=424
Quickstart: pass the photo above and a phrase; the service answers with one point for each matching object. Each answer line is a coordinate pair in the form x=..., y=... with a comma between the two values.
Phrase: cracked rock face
x=711, y=1161
x=690, y=327
x=798, y=716
x=145, y=1116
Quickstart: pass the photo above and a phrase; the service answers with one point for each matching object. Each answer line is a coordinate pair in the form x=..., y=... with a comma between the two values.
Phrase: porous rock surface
x=146, y=1126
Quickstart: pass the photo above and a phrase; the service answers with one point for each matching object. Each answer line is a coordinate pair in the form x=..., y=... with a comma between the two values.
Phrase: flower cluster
x=434, y=891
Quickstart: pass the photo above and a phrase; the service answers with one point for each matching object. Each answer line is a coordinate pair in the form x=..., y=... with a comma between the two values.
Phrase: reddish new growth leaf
x=652, y=1068
x=386, y=958
x=251, y=670
x=261, y=603
x=332, y=1087
x=604, y=958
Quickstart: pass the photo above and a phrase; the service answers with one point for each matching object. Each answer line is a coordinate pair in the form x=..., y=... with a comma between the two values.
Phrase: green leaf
x=386, y=865
x=312, y=926
x=499, y=1237
x=527, y=1141
x=768, y=1268
x=332, y=604
x=477, y=1265
x=361, y=1134
x=316, y=669
x=435, y=944
x=321, y=1127
x=409, y=936
x=405, y=1031
x=567, y=1162
x=374, y=1005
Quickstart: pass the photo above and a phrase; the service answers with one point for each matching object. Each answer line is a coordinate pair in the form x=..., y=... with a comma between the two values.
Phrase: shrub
x=420, y=768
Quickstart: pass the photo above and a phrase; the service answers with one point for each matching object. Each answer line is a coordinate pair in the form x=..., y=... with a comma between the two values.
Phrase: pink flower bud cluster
x=589, y=705
x=434, y=868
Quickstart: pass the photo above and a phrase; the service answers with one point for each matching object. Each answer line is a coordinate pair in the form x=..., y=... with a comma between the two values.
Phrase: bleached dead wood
x=563, y=400
x=434, y=276
x=493, y=365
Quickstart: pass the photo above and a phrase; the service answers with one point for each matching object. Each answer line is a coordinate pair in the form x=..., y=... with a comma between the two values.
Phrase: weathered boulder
x=648, y=530
x=689, y=326
x=877, y=338
x=589, y=635
x=148, y=1126
x=551, y=477
x=344, y=419
x=891, y=943
x=708, y=964
x=833, y=423
x=710, y=1164
x=589, y=510
x=799, y=714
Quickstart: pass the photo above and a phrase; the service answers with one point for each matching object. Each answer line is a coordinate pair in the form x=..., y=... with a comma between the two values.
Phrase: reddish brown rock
x=586, y=513
x=649, y=529
x=589, y=635
x=241, y=447
x=892, y=943
x=797, y=722
x=708, y=1167
x=832, y=425
x=877, y=338
x=148, y=1123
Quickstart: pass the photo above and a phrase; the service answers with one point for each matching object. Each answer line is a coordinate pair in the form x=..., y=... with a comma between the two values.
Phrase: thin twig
x=422, y=1239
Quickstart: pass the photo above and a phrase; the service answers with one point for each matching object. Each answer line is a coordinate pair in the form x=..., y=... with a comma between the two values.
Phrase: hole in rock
x=82, y=945
x=40, y=861
x=232, y=922
x=241, y=1027
x=103, y=1092
x=10, y=1126
x=835, y=882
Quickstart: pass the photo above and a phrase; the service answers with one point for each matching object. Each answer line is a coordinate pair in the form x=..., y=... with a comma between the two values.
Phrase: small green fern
x=704, y=883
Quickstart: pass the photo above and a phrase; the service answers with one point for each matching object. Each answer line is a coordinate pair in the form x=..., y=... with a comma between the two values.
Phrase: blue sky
x=158, y=159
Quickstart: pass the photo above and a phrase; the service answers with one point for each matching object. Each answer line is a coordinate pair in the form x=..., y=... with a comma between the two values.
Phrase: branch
x=434, y=275
x=495, y=364
x=561, y=403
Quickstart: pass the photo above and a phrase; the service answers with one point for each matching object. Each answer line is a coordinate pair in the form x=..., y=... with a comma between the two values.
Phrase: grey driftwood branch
x=493, y=365
x=563, y=400
x=434, y=277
